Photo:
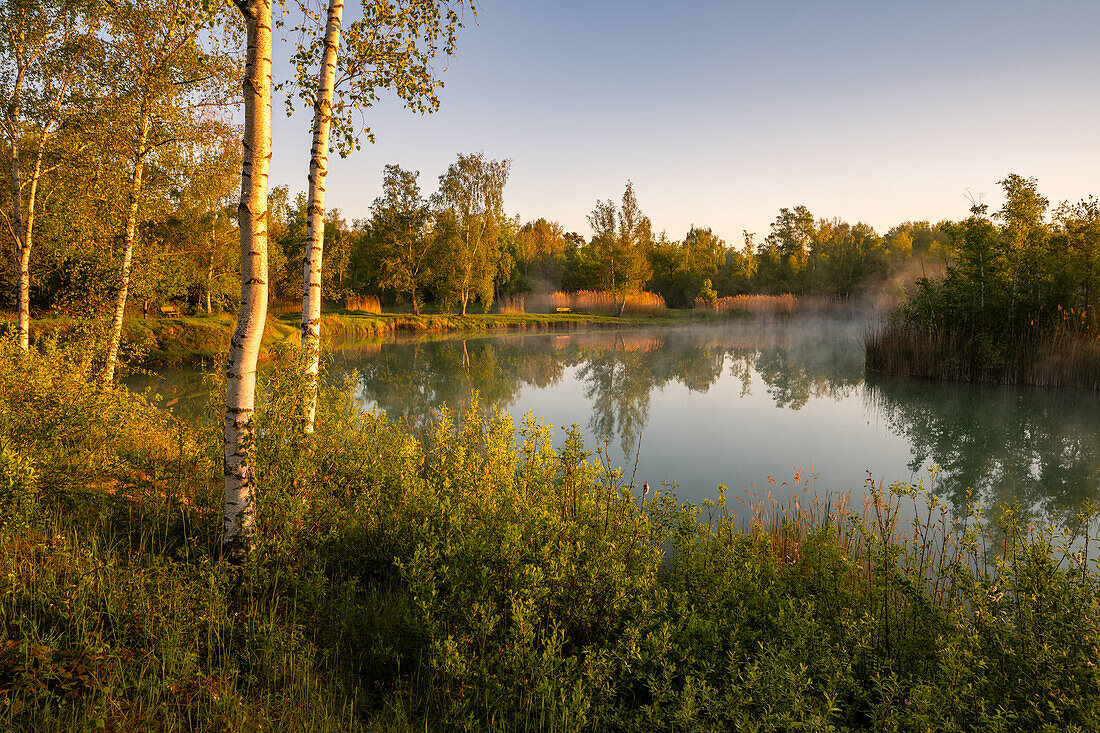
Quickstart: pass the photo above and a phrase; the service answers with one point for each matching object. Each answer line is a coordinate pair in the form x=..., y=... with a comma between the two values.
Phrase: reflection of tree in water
x=1040, y=448
x=619, y=370
x=808, y=363
x=411, y=380
x=618, y=382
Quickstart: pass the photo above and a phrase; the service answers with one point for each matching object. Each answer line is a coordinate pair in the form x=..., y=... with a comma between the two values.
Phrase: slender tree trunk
x=127, y=249
x=466, y=270
x=23, y=329
x=315, y=226
x=244, y=348
x=210, y=264
x=22, y=252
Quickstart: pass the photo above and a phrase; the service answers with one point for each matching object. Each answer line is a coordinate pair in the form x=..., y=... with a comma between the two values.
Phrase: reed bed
x=1062, y=359
x=362, y=304
x=283, y=307
x=585, y=301
x=760, y=304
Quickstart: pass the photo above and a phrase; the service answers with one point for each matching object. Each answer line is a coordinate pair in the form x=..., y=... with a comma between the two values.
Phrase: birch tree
x=393, y=46
x=168, y=66
x=621, y=239
x=471, y=196
x=244, y=348
x=44, y=46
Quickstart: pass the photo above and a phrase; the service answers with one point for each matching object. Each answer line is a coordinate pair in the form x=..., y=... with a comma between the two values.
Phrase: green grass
x=478, y=578
x=204, y=338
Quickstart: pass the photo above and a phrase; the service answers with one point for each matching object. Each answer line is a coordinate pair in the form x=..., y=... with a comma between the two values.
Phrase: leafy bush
x=478, y=577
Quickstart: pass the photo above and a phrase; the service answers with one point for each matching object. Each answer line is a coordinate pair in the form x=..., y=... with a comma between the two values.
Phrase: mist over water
x=757, y=406
x=746, y=404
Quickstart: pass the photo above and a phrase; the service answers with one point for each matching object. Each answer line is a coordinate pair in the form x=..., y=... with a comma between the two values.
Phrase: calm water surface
x=750, y=406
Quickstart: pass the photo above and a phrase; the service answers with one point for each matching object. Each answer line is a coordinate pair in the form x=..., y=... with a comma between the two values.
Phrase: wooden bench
x=170, y=311
x=565, y=310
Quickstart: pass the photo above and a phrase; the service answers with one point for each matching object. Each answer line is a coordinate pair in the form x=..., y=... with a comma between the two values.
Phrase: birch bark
x=244, y=348
x=127, y=248
x=23, y=228
x=26, y=241
x=315, y=225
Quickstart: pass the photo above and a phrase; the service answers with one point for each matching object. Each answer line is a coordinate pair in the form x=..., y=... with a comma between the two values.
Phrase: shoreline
x=189, y=340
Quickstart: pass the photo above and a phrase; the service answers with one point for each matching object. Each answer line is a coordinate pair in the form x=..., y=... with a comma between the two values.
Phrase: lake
x=756, y=406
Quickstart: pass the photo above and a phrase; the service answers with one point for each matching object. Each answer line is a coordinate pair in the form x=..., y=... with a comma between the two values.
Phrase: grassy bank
x=194, y=339
x=1055, y=359
x=458, y=581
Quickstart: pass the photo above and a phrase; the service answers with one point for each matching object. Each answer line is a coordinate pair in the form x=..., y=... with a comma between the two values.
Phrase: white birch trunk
x=23, y=327
x=210, y=264
x=315, y=225
x=244, y=349
x=22, y=253
x=127, y=249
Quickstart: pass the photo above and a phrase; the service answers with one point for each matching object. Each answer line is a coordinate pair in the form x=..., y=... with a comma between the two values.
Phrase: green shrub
x=476, y=576
x=18, y=490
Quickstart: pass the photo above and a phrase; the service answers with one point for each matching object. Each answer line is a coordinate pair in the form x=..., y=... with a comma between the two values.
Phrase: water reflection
x=1039, y=448
x=736, y=404
x=618, y=371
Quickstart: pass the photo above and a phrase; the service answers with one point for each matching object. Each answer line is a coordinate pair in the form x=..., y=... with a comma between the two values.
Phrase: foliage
x=394, y=46
x=621, y=239
x=478, y=577
x=1018, y=302
x=470, y=228
x=400, y=229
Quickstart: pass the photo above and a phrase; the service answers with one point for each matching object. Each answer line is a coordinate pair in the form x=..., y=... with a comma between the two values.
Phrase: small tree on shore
x=470, y=201
x=621, y=239
x=45, y=47
x=401, y=228
x=165, y=65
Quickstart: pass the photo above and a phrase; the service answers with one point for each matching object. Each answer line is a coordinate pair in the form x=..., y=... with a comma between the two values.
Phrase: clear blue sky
x=722, y=112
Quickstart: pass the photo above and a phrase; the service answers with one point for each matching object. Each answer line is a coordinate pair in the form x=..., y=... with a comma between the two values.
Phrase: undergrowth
x=477, y=577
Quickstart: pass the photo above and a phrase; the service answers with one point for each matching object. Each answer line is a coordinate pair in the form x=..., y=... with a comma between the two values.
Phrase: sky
x=723, y=112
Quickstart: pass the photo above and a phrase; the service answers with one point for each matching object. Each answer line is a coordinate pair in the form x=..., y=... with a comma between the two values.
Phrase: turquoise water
x=757, y=407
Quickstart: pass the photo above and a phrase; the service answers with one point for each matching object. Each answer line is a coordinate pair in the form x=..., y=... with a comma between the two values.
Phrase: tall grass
x=480, y=578
x=749, y=303
x=362, y=303
x=585, y=301
x=1063, y=358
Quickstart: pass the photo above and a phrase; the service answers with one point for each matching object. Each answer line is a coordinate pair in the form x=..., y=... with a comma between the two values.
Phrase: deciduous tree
x=45, y=47
x=471, y=199
x=167, y=66
x=400, y=226
x=244, y=349
x=621, y=239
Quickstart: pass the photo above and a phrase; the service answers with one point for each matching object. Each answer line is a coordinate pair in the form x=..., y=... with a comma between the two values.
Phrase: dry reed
x=586, y=301
x=784, y=303
x=1064, y=359
x=362, y=303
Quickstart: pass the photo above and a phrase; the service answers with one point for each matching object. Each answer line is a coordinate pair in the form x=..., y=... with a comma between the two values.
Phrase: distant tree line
x=458, y=247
